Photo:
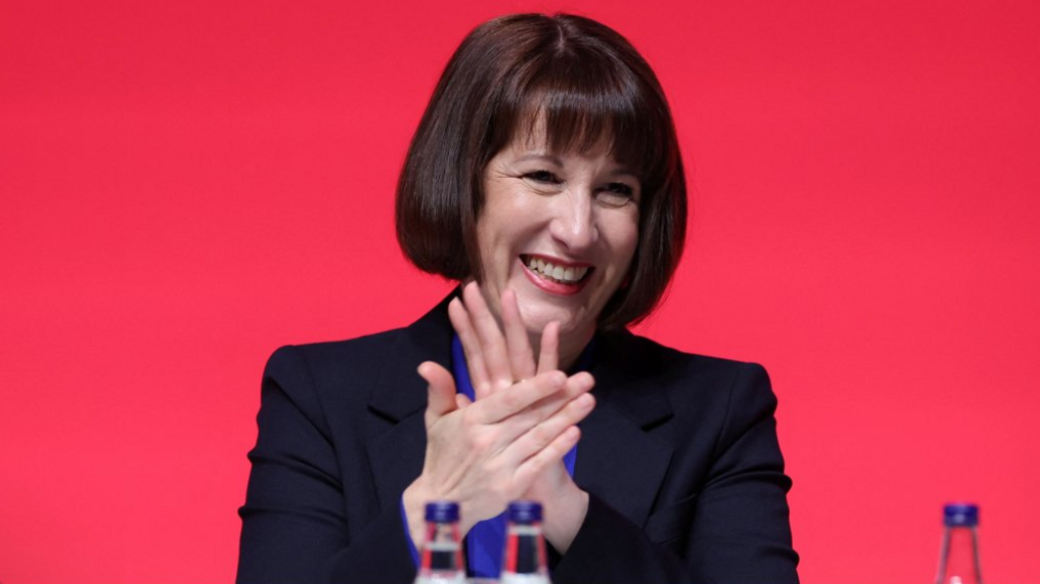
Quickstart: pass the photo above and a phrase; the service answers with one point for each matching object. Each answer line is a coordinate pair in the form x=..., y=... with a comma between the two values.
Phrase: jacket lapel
x=618, y=457
x=398, y=401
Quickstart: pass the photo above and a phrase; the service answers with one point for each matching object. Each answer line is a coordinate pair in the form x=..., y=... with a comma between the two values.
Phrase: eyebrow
x=542, y=157
x=619, y=171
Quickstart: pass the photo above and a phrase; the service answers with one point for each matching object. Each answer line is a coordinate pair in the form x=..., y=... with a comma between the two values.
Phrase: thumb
x=441, y=387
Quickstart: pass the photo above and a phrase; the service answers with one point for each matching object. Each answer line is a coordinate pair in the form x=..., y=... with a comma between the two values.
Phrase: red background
x=188, y=185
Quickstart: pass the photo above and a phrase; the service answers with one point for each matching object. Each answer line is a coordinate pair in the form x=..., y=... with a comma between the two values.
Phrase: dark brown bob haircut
x=589, y=85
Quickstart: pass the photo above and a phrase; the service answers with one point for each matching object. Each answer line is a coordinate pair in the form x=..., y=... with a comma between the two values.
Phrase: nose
x=574, y=222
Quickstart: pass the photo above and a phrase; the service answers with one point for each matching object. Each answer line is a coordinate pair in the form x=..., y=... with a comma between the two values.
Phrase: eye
x=617, y=194
x=542, y=176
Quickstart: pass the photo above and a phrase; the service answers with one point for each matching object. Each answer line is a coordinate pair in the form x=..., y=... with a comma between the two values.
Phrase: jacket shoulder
x=652, y=359
x=696, y=386
x=332, y=358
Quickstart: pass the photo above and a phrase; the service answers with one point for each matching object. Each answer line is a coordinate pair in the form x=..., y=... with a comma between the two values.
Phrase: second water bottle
x=525, y=560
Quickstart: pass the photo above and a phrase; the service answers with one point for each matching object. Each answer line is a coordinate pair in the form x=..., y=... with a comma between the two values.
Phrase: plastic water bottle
x=959, y=555
x=525, y=560
x=442, y=550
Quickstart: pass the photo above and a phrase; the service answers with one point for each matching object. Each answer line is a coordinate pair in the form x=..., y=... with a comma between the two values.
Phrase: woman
x=545, y=176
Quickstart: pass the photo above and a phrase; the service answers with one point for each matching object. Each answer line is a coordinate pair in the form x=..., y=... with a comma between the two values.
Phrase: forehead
x=534, y=134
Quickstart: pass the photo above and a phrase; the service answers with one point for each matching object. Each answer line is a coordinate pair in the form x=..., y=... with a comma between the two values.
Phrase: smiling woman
x=550, y=87
x=560, y=232
x=545, y=177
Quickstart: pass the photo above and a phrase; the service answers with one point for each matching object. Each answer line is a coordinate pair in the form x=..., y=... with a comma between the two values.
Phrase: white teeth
x=560, y=273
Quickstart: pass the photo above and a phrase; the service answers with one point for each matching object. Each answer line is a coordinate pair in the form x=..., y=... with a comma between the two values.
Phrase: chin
x=537, y=317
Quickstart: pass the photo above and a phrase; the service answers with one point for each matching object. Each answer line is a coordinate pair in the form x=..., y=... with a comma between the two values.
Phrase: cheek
x=625, y=240
x=507, y=222
x=493, y=238
x=496, y=240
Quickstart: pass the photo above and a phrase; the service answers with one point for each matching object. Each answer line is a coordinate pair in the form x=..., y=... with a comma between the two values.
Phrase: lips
x=554, y=275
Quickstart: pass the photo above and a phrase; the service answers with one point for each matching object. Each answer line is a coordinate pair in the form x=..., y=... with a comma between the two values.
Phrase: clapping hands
x=510, y=442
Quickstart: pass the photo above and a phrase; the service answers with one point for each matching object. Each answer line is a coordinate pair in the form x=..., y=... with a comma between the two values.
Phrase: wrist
x=564, y=515
x=414, y=499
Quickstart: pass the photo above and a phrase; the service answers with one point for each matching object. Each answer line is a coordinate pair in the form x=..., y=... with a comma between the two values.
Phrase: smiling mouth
x=568, y=275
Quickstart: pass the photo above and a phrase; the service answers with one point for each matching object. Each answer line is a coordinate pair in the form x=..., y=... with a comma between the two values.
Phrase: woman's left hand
x=496, y=360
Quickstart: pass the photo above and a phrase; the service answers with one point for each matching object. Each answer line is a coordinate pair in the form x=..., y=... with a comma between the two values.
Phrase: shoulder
x=377, y=370
x=696, y=387
x=368, y=356
x=647, y=359
x=331, y=360
x=319, y=379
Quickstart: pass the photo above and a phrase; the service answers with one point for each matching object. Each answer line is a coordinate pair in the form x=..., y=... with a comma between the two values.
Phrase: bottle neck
x=525, y=550
x=959, y=557
x=442, y=552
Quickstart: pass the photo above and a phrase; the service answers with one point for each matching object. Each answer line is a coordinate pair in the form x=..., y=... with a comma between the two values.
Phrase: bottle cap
x=442, y=512
x=525, y=512
x=961, y=515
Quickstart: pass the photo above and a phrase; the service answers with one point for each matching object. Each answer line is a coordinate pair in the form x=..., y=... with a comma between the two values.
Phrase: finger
x=463, y=325
x=530, y=469
x=548, y=406
x=503, y=404
x=441, y=391
x=492, y=342
x=542, y=435
x=461, y=400
x=549, y=353
x=518, y=345
x=512, y=427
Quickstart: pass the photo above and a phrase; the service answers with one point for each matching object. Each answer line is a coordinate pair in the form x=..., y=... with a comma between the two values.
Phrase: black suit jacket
x=680, y=458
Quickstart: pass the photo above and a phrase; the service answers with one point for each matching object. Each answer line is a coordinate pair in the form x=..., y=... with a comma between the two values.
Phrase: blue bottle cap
x=525, y=512
x=442, y=512
x=961, y=515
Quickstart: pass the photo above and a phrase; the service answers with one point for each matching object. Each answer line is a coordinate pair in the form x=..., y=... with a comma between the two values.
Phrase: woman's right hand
x=487, y=453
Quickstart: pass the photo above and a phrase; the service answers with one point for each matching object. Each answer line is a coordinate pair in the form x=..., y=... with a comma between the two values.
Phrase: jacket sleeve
x=735, y=528
x=294, y=521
